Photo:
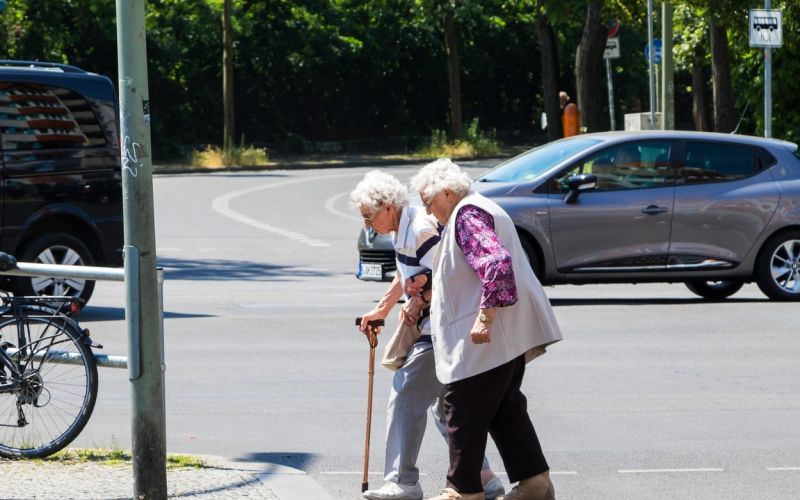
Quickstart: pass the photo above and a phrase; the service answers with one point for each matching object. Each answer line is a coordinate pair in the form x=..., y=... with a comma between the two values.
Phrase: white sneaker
x=395, y=491
x=493, y=488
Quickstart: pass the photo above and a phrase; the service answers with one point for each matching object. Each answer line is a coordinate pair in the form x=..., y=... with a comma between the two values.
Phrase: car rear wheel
x=57, y=248
x=778, y=267
x=714, y=290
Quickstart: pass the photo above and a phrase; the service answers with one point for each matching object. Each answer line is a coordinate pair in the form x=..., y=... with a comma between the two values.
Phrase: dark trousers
x=490, y=403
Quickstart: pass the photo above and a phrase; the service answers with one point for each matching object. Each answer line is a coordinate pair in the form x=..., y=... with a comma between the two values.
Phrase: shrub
x=475, y=143
x=215, y=157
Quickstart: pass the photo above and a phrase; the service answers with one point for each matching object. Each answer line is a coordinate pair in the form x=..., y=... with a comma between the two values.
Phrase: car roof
x=625, y=136
x=64, y=75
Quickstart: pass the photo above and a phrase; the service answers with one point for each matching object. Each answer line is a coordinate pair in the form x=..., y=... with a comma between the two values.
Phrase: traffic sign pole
x=650, y=58
x=767, y=84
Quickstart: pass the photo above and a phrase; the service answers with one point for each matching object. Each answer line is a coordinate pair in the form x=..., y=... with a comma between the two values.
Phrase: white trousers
x=415, y=388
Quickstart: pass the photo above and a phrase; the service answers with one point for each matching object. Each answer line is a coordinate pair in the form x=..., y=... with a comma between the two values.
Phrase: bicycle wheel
x=54, y=396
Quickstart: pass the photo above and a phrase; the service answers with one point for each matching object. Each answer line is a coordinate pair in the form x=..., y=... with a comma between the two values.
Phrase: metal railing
x=28, y=269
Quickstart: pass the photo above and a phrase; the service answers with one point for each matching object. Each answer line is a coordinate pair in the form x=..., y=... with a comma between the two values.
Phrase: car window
x=537, y=161
x=715, y=162
x=34, y=116
x=627, y=166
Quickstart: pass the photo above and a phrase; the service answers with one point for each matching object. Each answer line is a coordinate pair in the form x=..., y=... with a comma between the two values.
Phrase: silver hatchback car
x=711, y=210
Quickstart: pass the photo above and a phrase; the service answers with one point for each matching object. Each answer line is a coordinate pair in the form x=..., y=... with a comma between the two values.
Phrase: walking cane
x=372, y=338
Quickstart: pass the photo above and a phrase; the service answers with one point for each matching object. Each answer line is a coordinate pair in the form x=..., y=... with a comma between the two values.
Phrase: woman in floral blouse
x=489, y=317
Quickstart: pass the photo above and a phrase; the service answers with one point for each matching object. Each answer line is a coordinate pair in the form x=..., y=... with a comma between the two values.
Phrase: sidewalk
x=219, y=479
x=329, y=160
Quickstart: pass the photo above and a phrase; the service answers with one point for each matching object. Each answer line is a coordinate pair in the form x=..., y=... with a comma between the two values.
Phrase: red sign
x=613, y=28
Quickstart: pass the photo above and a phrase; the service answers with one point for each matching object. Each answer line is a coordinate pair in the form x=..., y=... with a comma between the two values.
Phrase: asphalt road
x=653, y=394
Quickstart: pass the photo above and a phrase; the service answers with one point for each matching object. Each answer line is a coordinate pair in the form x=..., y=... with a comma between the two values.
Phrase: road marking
x=783, y=468
x=497, y=473
x=221, y=204
x=329, y=206
x=656, y=471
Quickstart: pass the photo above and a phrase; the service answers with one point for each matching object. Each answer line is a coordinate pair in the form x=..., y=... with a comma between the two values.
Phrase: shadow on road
x=649, y=302
x=230, y=270
x=91, y=313
x=287, y=459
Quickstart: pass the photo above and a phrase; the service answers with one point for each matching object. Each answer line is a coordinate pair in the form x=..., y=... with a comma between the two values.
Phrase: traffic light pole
x=145, y=353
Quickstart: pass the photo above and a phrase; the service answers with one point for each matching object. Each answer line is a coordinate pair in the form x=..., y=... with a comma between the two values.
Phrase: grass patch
x=475, y=143
x=117, y=456
x=216, y=157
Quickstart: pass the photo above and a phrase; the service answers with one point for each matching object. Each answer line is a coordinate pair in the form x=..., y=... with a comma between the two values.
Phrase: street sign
x=613, y=28
x=657, y=55
x=766, y=28
x=612, y=48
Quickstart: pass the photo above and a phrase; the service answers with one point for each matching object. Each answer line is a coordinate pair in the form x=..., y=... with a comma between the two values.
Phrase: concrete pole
x=146, y=365
x=767, y=84
x=651, y=57
x=667, y=61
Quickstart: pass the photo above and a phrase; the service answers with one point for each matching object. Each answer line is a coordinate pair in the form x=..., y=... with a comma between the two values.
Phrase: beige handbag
x=396, y=350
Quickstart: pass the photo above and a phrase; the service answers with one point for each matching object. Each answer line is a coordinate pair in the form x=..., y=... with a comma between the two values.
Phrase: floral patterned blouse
x=478, y=240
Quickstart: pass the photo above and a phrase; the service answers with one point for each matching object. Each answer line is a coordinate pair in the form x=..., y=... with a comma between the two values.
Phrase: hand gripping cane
x=372, y=338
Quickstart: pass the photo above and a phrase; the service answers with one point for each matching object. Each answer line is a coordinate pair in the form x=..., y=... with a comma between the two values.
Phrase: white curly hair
x=438, y=175
x=378, y=188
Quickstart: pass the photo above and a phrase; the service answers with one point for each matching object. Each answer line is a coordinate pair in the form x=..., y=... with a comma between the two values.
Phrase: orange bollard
x=570, y=120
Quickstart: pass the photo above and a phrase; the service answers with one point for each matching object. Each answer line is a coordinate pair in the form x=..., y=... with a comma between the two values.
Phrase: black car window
x=35, y=117
x=633, y=165
x=715, y=162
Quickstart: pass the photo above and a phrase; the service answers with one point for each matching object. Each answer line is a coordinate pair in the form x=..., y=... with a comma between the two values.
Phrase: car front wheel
x=778, y=267
x=714, y=290
x=56, y=248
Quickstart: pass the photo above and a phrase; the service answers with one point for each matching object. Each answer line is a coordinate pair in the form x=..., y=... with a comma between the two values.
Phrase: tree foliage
x=375, y=71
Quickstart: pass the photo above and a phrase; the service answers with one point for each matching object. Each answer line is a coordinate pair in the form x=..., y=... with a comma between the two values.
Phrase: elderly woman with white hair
x=489, y=317
x=383, y=202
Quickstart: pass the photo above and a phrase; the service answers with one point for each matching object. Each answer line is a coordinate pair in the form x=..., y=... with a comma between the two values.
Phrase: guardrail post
x=147, y=390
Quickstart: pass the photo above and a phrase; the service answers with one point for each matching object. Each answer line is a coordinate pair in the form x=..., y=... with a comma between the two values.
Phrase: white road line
x=783, y=468
x=656, y=471
x=329, y=206
x=221, y=204
x=354, y=473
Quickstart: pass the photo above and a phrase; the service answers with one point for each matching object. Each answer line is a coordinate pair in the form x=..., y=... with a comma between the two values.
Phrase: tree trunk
x=588, y=60
x=227, y=76
x=724, y=117
x=453, y=73
x=547, y=46
x=699, y=105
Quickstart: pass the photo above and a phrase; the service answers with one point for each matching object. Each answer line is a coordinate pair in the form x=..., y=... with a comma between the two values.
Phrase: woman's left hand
x=481, y=332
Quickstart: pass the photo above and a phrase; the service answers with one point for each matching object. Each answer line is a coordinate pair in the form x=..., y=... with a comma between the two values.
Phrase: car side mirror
x=577, y=184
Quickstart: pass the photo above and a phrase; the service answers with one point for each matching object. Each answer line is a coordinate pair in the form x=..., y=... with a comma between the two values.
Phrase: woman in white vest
x=489, y=317
x=383, y=202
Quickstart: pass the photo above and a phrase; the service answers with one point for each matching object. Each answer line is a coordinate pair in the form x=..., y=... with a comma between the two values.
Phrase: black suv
x=61, y=199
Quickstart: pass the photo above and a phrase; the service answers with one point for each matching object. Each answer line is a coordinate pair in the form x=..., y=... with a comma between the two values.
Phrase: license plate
x=372, y=271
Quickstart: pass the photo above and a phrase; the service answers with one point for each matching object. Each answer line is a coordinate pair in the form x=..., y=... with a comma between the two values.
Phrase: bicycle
x=48, y=375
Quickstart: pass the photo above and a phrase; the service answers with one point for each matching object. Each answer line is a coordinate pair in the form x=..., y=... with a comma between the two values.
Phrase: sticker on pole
x=766, y=28
x=612, y=48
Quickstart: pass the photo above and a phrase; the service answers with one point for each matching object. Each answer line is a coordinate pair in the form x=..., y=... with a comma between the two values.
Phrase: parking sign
x=766, y=28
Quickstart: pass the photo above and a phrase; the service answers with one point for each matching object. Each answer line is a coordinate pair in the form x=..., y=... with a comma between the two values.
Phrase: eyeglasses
x=370, y=218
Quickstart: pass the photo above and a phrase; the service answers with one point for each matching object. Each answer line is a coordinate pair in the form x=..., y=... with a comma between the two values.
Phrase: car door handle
x=654, y=210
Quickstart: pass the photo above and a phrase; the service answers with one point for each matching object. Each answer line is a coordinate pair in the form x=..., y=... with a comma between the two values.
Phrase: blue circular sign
x=657, y=55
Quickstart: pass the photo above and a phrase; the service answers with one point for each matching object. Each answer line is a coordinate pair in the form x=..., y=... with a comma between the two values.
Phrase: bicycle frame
x=20, y=308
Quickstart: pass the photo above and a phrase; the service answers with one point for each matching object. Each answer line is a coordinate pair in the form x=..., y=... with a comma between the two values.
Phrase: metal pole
x=767, y=84
x=667, y=78
x=146, y=369
x=651, y=55
x=610, y=94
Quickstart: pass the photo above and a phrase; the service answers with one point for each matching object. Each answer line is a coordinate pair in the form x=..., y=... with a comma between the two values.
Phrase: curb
x=327, y=162
x=284, y=482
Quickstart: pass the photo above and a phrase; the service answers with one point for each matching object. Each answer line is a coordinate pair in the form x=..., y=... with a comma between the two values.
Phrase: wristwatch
x=484, y=318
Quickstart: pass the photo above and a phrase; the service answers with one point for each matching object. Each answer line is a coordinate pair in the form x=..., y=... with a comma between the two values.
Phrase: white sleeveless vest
x=526, y=327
